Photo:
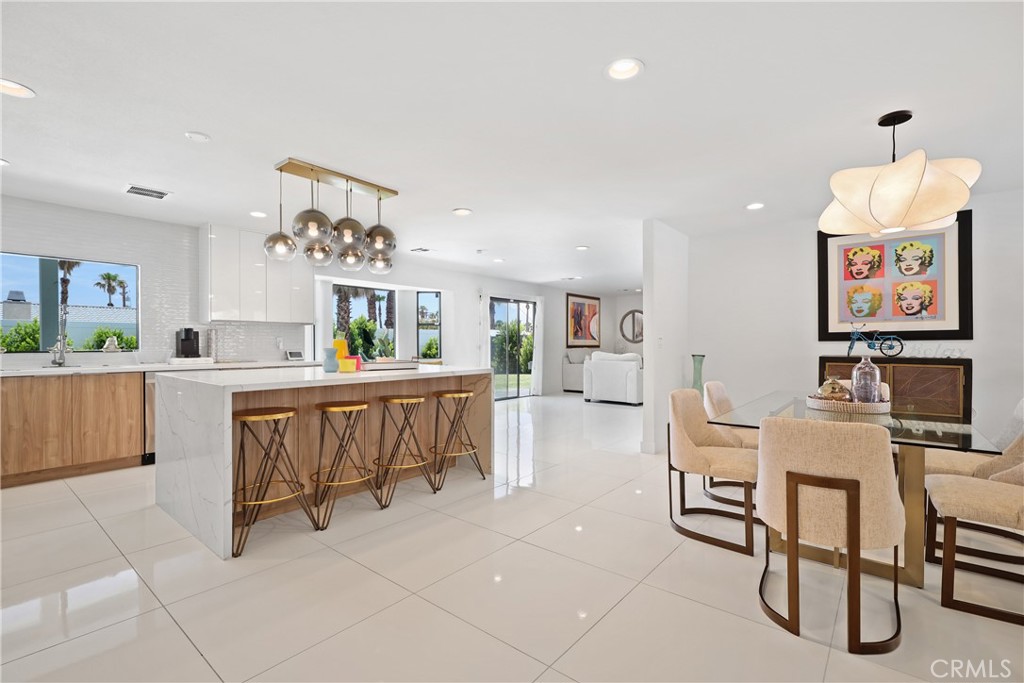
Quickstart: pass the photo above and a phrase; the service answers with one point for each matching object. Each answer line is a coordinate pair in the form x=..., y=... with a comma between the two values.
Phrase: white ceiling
x=503, y=108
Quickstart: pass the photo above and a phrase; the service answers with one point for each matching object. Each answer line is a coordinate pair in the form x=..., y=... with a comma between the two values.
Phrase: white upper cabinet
x=239, y=282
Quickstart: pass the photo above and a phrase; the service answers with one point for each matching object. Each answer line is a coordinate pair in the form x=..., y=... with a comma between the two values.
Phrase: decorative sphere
x=351, y=259
x=379, y=265
x=318, y=254
x=348, y=232
x=312, y=224
x=280, y=247
x=380, y=241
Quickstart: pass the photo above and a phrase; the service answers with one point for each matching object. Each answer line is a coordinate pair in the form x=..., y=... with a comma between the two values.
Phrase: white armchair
x=615, y=377
x=572, y=368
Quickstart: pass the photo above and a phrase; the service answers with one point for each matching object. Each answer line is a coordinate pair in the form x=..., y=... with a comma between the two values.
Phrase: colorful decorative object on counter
x=330, y=360
x=341, y=348
x=347, y=365
x=358, y=360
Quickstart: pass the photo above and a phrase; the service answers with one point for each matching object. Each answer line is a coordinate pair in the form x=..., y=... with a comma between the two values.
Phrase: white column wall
x=665, y=347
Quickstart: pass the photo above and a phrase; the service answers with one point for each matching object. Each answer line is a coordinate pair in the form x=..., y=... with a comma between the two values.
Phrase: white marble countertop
x=151, y=367
x=294, y=377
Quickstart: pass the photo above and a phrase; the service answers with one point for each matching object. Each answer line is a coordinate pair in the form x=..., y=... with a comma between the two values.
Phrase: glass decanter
x=866, y=380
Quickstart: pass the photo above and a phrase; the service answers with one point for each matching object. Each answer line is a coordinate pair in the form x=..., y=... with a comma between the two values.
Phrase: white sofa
x=572, y=368
x=617, y=377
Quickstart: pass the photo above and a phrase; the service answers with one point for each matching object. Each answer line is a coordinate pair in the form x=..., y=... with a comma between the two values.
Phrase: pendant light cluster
x=322, y=242
x=910, y=194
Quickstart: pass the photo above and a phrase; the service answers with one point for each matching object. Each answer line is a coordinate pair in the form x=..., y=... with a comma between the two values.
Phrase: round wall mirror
x=631, y=327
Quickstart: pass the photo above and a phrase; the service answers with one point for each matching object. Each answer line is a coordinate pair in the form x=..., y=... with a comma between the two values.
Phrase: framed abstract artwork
x=582, y=320
x=916, y=284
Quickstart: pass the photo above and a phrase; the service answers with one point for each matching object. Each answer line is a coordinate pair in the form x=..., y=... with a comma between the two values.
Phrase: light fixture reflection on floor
x=910, y=194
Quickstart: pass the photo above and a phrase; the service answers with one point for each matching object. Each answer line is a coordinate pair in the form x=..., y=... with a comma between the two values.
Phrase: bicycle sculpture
x=888, y=344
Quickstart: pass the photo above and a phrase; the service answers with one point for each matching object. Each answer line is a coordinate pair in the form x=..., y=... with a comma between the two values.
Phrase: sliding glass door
x=512, y=327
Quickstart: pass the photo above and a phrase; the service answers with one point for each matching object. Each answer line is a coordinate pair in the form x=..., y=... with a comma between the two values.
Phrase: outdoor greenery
x=385, y=347
x=99, y=338
x=511, y=348
x=430, y=349
x=22, y=337
x=109, y=283
x=362, y=335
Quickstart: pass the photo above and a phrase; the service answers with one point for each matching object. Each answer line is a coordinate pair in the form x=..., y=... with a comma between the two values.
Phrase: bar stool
x=274, y=457
x=405, y=451
x=457, y=441
x=329, y=479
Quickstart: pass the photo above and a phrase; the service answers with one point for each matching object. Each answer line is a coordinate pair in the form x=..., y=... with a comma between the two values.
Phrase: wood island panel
x=36, y=418
x=107, y=416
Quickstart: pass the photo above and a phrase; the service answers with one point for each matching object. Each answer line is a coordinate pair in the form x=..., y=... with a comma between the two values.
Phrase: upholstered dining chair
x=830, y=484
x=975, y=466
x=997, y=502
x=717, y=402
x=941, y=461
x=696, y=447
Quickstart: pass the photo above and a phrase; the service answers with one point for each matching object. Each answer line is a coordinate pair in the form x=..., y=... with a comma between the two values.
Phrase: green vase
x=698, y=371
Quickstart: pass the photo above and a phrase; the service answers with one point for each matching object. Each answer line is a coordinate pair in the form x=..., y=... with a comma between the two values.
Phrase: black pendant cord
x=894, y=144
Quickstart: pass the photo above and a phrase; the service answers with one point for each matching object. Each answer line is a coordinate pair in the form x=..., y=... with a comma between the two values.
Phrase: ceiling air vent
x=421, y=250
x=146, y=192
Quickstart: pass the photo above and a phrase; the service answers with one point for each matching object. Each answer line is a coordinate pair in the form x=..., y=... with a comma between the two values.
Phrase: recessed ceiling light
x=638, y=290
x=499, y=260
x=624, y=69
x=755, y=206
x=196, y=136
x=16, y=89
x=582, y=247
x=257, y=214
x=4, y=162
x=462, y=212
x=574, y=277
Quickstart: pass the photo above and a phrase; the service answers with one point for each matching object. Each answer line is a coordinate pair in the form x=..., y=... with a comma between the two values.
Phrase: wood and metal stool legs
x=457, y=441
x=251, y=494
x=405, y=452
x=347, y=465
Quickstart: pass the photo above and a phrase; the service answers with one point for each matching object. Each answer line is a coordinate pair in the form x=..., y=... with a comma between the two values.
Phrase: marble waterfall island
x=196, y=439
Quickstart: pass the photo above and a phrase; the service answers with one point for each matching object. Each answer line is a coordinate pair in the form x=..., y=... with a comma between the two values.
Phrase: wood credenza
x=937, y=388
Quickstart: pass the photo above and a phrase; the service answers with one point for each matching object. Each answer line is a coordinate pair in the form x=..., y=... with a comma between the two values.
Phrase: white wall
x=166, y=254
x=755, y=313
x=665, y=347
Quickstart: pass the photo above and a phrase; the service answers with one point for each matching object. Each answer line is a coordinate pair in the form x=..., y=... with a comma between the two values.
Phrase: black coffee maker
x=187, y=343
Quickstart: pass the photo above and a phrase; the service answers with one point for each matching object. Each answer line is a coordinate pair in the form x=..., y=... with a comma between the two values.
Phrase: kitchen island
x=196, y=439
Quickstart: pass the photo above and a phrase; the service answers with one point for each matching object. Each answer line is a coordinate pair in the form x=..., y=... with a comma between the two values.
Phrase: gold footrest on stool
x=406, y=445
x=457, y=441
x=250, y=497
x=348, y=458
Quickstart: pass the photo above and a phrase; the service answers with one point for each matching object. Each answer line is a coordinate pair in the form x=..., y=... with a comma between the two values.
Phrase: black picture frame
x=964, y=290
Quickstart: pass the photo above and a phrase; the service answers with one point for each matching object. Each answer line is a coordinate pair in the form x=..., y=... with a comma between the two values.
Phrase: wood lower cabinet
x=108, y=417
x=35, y=423
x=51, y=427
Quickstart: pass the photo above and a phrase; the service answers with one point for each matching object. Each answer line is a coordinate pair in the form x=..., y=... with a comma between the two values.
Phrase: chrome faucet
x=61, y=347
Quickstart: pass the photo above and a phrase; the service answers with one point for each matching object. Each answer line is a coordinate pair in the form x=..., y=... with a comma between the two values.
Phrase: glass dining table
x=912, y=432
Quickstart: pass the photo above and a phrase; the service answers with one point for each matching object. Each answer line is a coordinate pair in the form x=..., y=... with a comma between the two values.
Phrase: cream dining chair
x=942, y=461
x=696, y=447
x=717, y=402
x=994, y=502
x=831, y=484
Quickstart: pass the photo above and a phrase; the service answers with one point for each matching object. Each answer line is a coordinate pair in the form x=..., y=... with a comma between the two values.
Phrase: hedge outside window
x=428, y=324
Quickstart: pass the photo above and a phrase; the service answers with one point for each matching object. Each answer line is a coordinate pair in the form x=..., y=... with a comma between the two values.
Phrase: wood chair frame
x=791, y=623
x=950, y=564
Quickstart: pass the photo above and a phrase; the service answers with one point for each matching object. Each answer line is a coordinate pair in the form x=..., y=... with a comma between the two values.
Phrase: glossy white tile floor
x=559, y=567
